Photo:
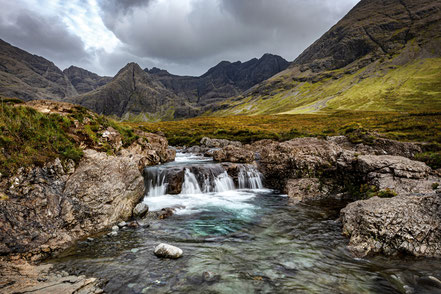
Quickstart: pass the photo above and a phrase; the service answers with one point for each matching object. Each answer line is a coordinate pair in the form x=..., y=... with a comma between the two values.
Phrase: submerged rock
x=168, y=251
x=409, y=224
x=140, y=210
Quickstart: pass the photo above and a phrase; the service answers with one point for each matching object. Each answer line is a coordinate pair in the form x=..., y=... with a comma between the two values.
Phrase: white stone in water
x=113, y=233
x=168, y=251
x=115, y=228
x=122, y=224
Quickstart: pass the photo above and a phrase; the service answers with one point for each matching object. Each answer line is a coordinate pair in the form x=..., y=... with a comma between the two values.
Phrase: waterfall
x=200, y=178
x=190, y=185
x=223, y=183
x=249, y=178
x=155, y=181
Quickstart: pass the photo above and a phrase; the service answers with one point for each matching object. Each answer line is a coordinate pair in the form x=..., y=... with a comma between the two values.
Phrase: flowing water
x=238, y=237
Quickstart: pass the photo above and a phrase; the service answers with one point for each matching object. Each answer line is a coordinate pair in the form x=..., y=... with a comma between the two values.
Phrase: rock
x=306, y=189
x=22, y=277
x=219, y=143
x=166, y=213
x=89, y=239
x=408, y=224
x=210, y=277
x=133, y=224
x=115, y=229
x=113, y=233
x=233, y=154
x=396, y=173
x=140, y=210
x=122, y=224
x=168, y=251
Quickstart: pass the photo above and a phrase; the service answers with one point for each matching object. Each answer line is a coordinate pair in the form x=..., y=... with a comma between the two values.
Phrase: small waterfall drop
x=249, y=178
x=190, y=184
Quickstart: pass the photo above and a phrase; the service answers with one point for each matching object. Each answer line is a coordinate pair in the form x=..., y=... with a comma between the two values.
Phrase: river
x=239, y=238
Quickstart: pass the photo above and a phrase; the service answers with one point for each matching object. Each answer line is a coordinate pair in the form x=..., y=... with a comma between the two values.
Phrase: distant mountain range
x=382, y=56
x=133, y=93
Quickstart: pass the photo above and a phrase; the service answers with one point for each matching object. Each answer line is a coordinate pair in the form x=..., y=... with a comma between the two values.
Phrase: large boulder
x=409, y=224
x=49, y=207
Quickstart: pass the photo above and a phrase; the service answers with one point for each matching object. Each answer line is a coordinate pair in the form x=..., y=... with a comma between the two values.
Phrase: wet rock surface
x=409, y=224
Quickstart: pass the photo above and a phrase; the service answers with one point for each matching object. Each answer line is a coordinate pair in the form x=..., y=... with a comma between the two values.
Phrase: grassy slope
x=386, y=85
x=31, y=137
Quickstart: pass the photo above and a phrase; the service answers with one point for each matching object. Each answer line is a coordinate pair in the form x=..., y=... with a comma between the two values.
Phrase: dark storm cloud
x=112, y=10
x=46, y=36
x=183, y=32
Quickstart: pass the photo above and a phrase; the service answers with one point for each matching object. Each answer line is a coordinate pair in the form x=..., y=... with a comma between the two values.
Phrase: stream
x=239, y=237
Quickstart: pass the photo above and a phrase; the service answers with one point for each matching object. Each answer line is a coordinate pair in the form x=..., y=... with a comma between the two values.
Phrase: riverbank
x=45, y=207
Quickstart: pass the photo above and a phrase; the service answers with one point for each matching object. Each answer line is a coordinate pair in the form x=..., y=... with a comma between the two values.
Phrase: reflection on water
x=245, y=241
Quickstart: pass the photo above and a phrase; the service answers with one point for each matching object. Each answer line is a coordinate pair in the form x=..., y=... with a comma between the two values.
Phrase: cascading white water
x=190, y=185
x=223, y=183
x=202, y=185
x=249, y=178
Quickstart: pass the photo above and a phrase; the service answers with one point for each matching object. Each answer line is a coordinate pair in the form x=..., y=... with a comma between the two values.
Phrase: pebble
x=115, y=228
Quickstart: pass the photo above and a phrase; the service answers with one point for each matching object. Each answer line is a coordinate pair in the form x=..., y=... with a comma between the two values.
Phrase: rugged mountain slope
x=134, y=93
x=222, y=81
x=29, y=77
x=383, y=55
x=84, y=80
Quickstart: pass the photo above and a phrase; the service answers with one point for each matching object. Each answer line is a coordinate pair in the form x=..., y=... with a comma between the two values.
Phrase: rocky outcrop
x=47, y=208
x=396, y=173
x=409, y=224
x=50, y=207
x=313, y=168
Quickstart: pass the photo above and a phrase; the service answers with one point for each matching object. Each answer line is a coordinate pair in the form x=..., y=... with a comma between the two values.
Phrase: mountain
x=134, y=93
x=29, y=77
x=222, y=81
x=84, y=80
x=156, y=94
x=383, y=55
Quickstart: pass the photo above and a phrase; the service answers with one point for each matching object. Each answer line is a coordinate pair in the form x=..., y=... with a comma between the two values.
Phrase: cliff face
x=29, y=77
x=382, y=56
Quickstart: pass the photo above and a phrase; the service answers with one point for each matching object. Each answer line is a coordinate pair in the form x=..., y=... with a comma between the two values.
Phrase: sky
x=185, y=37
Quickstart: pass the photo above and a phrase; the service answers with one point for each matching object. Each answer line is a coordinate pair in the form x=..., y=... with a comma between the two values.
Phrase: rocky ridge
x=222, y=81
